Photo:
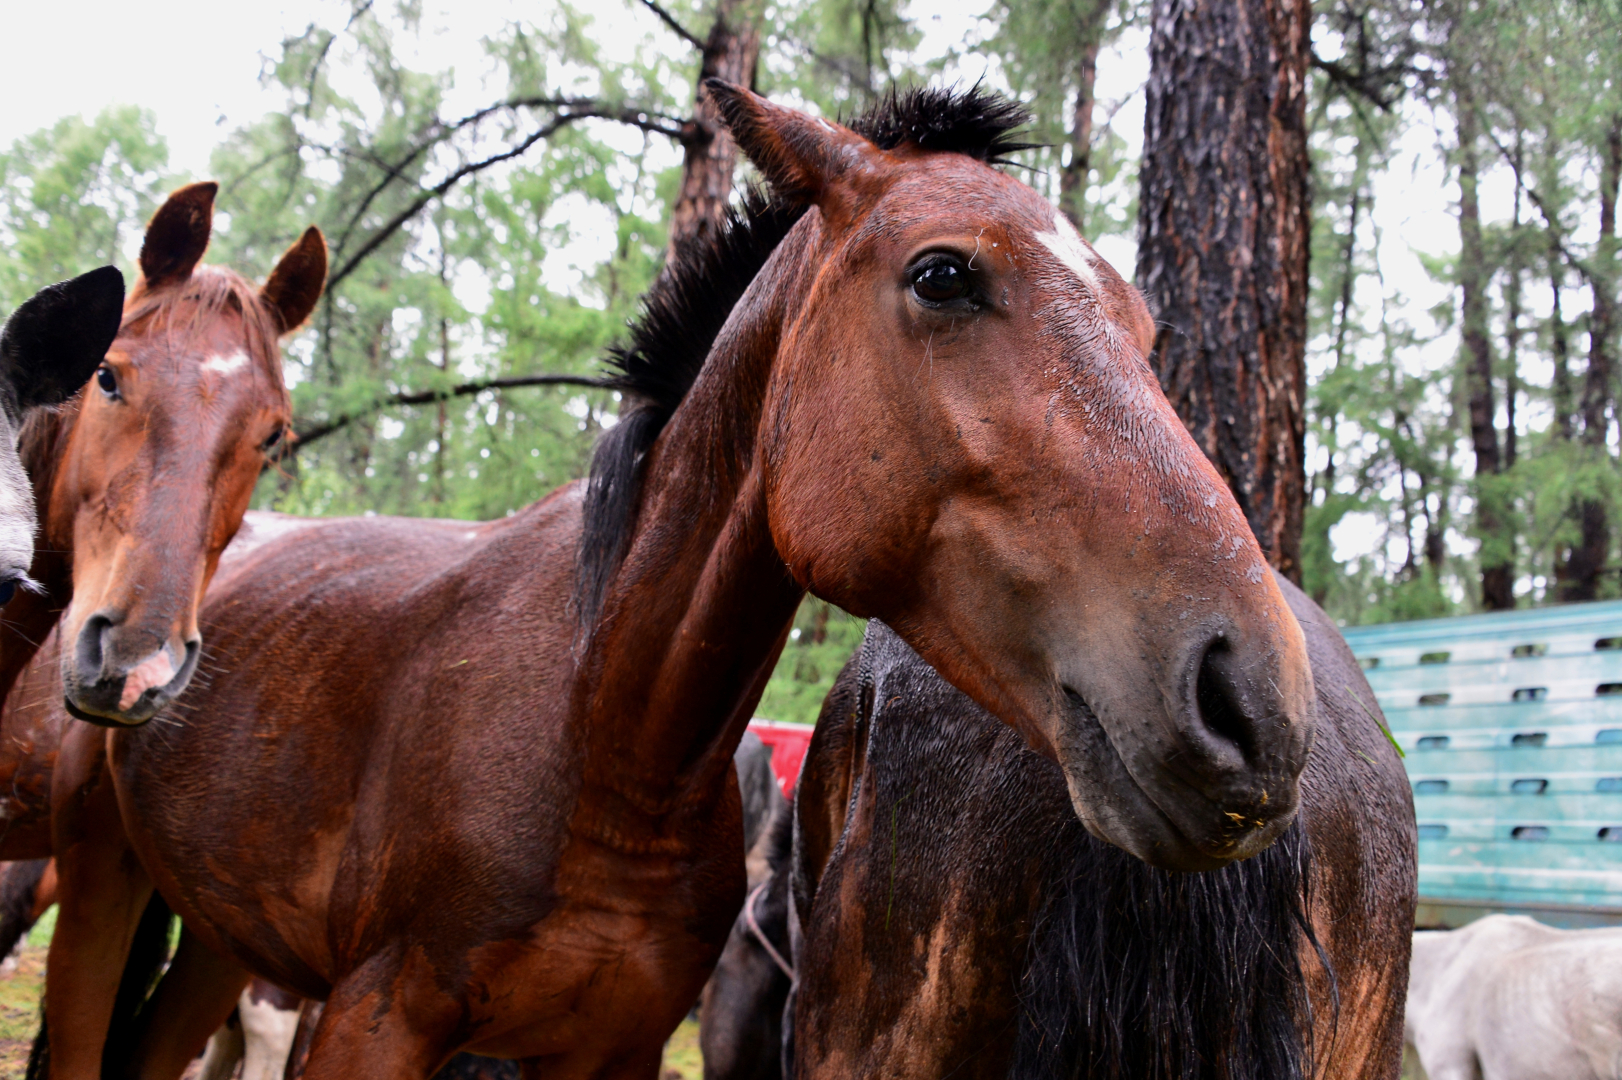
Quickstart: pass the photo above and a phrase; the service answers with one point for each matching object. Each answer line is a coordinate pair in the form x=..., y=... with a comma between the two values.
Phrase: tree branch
x=670, y=21
x=1549, y=219
x=304, y=438
x=439, y=132
x=633, y=117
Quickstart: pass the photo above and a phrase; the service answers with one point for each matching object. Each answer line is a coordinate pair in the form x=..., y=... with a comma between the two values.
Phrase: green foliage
x=74, y=195
x=823, y=638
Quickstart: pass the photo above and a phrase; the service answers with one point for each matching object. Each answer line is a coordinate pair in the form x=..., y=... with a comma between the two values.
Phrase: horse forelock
x=703, y=280
x=189, y=310
x=1143, y=973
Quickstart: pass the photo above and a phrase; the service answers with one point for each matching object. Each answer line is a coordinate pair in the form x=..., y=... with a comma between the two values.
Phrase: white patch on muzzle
x=155, y=670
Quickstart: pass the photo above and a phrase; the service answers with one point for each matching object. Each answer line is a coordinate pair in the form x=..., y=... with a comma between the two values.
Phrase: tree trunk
x=1497, y=547
x=1073, y=177
x=1512, y=325
x=1588, y=558
x=710, y=154
x=1559, y=344
x=1223, y=229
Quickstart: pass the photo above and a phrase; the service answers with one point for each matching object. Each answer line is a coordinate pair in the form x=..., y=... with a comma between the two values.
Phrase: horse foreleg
x=102, y=891
x=22, y=885
x=359, y=1037
x=195, y=997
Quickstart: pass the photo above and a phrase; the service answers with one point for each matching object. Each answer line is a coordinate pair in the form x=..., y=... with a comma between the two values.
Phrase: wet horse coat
x=952, y=918
x=141, y=479
x=956, y=460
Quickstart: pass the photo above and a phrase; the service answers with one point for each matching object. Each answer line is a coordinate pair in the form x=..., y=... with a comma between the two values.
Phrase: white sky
x=197, y=64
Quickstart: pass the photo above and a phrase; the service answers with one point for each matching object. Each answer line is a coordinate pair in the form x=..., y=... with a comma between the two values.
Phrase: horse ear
x=798, y=155
x=54, y=342
x=177, y=235
x=295, y=285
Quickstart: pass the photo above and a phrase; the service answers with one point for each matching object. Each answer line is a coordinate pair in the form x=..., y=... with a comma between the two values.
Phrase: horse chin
x=1116, y=809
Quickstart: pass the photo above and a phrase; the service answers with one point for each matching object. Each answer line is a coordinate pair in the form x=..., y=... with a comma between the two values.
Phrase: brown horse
x=142, y=479
x=953, y=919
x=480, y=784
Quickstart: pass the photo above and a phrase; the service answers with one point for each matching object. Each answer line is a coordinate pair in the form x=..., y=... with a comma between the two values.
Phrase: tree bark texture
x=730, y=53
x=1223, y=230
x=1074, y=176
x=1497, y=545
x=1588, y=558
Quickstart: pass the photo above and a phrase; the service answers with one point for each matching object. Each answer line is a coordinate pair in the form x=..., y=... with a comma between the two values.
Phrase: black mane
x=689, y=303
x=1111, y=993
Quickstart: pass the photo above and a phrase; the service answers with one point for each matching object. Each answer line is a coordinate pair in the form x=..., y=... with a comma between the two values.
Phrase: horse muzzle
x=108, y=679
x=1197, y=773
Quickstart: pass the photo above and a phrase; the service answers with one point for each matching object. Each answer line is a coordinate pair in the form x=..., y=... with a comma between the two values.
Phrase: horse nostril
x=1217, y=698
x=88, y=651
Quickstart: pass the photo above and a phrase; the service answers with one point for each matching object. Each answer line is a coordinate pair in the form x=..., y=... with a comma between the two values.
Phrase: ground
x=19, y=1015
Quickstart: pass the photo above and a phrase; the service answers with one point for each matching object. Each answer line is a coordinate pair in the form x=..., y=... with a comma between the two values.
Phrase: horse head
x=161, y=459
x=48, y=348
x=977, y=452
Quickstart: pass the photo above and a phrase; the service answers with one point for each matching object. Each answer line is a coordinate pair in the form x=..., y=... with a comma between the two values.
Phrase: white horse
x=1507, y=998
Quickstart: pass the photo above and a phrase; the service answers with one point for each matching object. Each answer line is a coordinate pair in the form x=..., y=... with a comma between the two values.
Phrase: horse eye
x=940, y=281
x=8, y=589
x=107, y=381
x=272, y=439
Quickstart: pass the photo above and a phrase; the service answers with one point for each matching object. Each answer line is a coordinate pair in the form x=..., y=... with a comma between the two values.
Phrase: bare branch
x=439, y=132
x=1556, y=233
x=427, y=397
x=670, y=21
x=633, y=117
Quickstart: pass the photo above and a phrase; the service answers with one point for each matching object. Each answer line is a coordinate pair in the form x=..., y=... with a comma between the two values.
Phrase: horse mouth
x=110, y=703
x=1118, y=809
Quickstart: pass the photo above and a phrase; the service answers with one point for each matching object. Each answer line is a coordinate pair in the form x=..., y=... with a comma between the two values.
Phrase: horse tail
x=1142, y=973
x=19, y=885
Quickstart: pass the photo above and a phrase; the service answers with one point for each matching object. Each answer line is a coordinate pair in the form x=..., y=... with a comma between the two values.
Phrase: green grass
x=681, y=1054
x=19, y=1009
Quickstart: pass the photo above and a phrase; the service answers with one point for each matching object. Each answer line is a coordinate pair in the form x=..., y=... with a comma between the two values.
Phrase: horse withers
x=904, y=385
x=48, y=348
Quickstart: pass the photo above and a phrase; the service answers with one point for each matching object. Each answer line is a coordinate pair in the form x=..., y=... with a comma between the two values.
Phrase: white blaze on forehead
x=1069, y=248
x=225, y=365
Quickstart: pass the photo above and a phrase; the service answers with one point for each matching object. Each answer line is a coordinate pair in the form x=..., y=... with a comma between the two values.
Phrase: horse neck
x=697, y=613
x=30, y=617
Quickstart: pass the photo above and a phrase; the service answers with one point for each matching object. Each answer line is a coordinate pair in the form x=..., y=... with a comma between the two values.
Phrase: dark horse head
x=1027, y=510
x=154, y=468
x=48, y=348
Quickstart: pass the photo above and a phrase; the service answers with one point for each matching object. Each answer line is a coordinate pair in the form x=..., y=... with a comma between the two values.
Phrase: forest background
x=1461, y=440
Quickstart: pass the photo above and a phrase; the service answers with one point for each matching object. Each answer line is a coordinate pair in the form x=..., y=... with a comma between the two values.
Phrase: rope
x=760, y=935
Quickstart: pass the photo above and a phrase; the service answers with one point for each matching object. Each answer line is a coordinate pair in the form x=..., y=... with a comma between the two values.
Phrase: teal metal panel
x=1512, y=725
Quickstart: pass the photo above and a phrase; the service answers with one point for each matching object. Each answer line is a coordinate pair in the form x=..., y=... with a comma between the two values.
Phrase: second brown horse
x=471, y=784
x=141, y=480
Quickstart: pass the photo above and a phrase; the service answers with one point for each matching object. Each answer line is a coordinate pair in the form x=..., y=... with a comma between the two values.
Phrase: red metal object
x=788, y=743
